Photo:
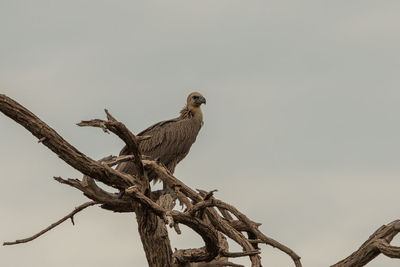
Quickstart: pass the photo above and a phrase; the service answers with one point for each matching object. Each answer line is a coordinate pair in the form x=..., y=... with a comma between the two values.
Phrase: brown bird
x=170, y=140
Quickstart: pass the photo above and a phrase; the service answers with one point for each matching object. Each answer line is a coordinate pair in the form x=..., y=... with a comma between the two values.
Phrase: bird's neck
x=192, y=112
x=197, y=114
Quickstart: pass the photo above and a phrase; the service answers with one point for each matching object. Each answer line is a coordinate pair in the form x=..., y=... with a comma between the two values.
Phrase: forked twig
x=69, y=216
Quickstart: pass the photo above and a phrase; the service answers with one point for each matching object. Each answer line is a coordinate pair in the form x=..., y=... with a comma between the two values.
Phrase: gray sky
x=301, y=125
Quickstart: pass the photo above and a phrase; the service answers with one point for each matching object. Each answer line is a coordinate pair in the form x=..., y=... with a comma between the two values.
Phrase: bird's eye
x=195, y=96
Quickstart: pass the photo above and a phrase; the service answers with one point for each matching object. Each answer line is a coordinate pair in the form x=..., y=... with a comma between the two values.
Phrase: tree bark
x=154, y=237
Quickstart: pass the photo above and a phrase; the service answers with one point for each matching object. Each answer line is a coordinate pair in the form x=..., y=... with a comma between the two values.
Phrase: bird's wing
x=168, y=138
x=161, y=134
x=148, y=147
x=157, y=125
x=169, y=142
x=156, y=133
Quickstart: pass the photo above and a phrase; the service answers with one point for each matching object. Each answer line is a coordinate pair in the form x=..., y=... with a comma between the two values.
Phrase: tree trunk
x=153, y=233
x=154, y=236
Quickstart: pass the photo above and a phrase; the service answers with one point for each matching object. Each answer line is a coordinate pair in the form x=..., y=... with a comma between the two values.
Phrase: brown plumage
x=170, y=140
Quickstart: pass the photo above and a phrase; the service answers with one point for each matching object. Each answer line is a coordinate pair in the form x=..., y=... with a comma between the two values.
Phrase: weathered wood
x=220, y=223
x=154, y=236
x=377, y=243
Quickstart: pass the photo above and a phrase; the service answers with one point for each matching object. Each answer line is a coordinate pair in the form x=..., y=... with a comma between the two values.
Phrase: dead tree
x=211, y=218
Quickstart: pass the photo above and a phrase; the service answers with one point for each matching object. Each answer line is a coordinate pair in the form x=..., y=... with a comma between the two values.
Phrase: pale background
x=301, y=125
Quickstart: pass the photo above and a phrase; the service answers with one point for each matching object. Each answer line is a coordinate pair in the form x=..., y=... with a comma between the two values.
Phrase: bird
x=170, y=140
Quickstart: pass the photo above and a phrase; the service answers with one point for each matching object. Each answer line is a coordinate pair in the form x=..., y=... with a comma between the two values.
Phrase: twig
x=41, y=140
x=113, y=160
x=109, y=116
x=69, y=216
x=207, y=195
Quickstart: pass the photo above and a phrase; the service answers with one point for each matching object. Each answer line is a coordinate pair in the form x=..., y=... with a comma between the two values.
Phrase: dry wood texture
x=154, y=210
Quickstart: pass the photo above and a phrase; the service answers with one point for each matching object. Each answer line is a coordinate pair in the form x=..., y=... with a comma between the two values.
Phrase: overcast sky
x=301, y=127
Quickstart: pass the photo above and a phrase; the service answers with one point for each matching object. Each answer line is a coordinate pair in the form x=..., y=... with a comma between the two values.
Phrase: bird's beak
x=200, y=100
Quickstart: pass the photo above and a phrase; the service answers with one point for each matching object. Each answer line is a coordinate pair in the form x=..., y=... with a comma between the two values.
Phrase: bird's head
x=194, y=100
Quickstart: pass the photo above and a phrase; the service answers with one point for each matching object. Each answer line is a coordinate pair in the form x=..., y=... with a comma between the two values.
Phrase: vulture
x=170, y=140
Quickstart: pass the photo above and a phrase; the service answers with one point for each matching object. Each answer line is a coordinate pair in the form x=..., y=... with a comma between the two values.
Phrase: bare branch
x=378, y=242
x=130, y=140
x=135, y=193
x=91, y=190
x=113, y=160
x=249, y=225
x=207, y=195
x=170, y=180
x=69, y=216
x=388, y=250
x=109, y=116
x=62, y=148
x=95, y=123
x=191, y=255
x=225, y=213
